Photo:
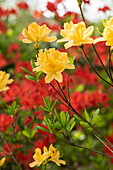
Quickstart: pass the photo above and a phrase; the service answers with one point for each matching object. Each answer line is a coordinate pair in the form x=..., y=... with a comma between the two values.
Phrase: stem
x=94, y=68
x=69, y=106
x=68, y=86
x=82, y=14
x=62, y=91
x=82, y=147
x=11, y=152
x=101, y=62
x=110, y=65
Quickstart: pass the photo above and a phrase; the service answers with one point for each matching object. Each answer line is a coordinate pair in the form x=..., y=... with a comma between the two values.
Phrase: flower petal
x=99, y=39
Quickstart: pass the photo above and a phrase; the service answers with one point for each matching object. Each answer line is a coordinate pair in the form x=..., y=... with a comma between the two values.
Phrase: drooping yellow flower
x=48, y=155
x=2, y=161
x=107, y=33
x=76, y=34
x=55, y=155
x=4, y=80
x=37, y=33
x=39, y=158
x=52, y=62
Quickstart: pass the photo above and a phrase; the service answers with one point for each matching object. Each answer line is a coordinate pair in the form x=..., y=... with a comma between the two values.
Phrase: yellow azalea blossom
x=39, y=158
x=2, y=161
x=76, y=34
x=107, y=33
x=52, y=62
x=4, y=80
x=37, y=33
x=55, y=155
x=48, y=155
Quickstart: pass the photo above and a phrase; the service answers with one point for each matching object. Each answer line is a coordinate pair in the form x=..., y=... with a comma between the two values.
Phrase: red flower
x=58, y=1
x=14, y=47
x=107, y=151
x=23, y=5
x=104, y=9
x=51, y=7
x=3, y=27
x=11, y=94
x=5, y=122
x=86, y=1
x=37, y=15
x=3, y=62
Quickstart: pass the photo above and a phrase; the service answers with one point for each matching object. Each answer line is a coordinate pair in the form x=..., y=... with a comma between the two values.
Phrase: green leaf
x=54, y=105
x=70, y=122
x=79, y=88
x=72, y=126
x=25, y=70
x=87, y=116
x=84, y=124
x=78, y=118
x=30, y=78
x=44, y=108
x=94, y=119
x=32, y=63
x=55, y=125
x=41, y=128
x=57, y=115
x=63, y=118
x=38, y=75
x=33, y=131
x=26, y=133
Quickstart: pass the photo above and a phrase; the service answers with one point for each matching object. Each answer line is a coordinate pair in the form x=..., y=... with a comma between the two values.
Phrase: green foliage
x=11, y=110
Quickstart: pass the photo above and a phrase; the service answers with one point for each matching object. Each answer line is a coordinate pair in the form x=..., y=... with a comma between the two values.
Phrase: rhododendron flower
x=2, y=161
x=55, y=155
x=51, y=6
x=107, y=33
x=39, y=158
x=37, y=33
x=104, y=9
x=4, y=80
x=52, y=62
x=76, y=34
x=52, y=154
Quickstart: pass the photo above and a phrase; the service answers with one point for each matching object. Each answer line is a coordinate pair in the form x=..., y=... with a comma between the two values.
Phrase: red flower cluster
x=3, y=62
x=51, y=7
x=107, y=151
x=86, y=1
x=5, y=122
x=102, y=51
x=3, y=27
x=104, y=9
x=7, y=12
x=82, y=100
x=14, y=53
x=23, y=5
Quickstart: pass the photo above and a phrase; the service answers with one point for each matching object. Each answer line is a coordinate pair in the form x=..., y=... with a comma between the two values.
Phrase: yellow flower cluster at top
x=107, y=33
x=4, y=80
x=48, y=155
x=52, y=62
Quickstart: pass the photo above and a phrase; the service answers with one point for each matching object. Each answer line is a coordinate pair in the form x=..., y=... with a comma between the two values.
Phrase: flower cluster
x=52, y=62
x=76, y=34
x=37, y=33
x=50, y=155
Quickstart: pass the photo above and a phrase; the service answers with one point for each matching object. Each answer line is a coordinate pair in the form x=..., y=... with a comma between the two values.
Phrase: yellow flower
x=107, y=33
x=37, y=33
x=4, y=80
x=76, y=34
x=2, y=161
x=39, y=158
x=48, y=155
x=55, y=155
x=52, y=62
